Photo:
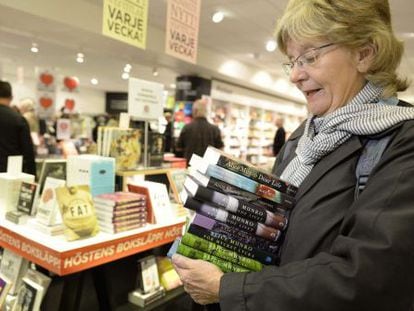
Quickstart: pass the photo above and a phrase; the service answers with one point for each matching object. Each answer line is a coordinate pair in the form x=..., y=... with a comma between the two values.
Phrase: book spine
x=233, y=220
x=221, y=252
x=224, y=265
x=113, y=214
x=118, y=219
x=236, y=234
x=236, y=206
x=243, y=248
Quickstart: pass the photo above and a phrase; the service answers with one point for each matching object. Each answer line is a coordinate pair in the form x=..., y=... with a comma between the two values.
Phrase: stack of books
x=241, y=212
x=120, y=211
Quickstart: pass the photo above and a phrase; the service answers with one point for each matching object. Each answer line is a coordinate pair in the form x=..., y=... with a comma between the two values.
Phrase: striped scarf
x=366, y=114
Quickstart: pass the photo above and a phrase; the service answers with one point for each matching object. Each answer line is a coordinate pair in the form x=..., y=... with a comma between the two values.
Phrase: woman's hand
x=201, y=279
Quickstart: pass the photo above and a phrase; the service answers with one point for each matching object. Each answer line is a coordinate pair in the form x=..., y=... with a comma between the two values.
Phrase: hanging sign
x=126, y=21
x=183, y=18
x=145, y=99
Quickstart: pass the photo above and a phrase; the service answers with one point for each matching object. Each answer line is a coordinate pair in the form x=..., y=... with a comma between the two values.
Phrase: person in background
x=15, y=136
x=343, y=250
x=196, y=136
x=27, y=109
x=168, y=133
x=280, y=137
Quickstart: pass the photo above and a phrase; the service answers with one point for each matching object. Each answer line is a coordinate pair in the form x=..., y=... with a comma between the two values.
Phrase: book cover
x=155, y=149
x=29, y=297
x=26, y=197
x=225, y=266
x=77, y=211
x=5, y=285
x=223, y=187
x=106, y=217
x=125, y=147
x=235, y=234
x=229, y=242
x=240, y=181
x=48, y=208
x=13, y=267
x=55, y=168
x=235, y=205
x=120, y=213
x=119, y=208
x=148, y=274
x=215, y=156
x=220, y=251
x=119, y=198
x=210, y=211
x=10, y=189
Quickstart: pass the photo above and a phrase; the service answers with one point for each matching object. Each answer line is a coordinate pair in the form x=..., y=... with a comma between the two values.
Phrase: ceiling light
x=217, y=17
x=81, y=55
x=125, y=75
x=94, y=81
x=155, y=72
x=127, y=68
x=80, y=60
x=34, y=48
x=271, y=45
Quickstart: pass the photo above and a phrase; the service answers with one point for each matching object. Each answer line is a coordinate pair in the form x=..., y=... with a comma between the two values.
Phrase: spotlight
x=271, y=45
x=155, y=72
x=125, y=75
x=217, y=17
x=34, y=48
x=94, y=81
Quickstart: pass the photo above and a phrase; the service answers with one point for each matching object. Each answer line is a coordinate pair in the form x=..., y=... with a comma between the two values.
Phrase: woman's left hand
x=201, y=279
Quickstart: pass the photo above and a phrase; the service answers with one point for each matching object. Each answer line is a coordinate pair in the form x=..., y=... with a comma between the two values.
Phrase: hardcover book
x=220, y=251
x=48, y=208
x=225, y=266
x=240, y=181
x=215, y=156
x=78, y=212
x=234, y=205
x=55, y=168
x=210, y=211
x=5, y=285
x=125, y=147
x=26, y=197
x=148, y=277
x=13, y=267
x=29, y=297
x=119, y=198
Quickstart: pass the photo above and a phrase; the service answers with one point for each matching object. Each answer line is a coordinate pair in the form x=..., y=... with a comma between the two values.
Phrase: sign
x=126, y=21
x=183, y=17
x=145, y=99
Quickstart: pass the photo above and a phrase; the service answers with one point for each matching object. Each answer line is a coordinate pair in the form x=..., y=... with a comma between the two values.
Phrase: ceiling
x=63, y=28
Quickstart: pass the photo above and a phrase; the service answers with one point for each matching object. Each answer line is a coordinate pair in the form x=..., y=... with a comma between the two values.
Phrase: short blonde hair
x=352, y=24
x=200, y=108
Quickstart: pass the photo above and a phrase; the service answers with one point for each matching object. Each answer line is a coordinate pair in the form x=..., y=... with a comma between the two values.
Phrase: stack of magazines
x=241, y=212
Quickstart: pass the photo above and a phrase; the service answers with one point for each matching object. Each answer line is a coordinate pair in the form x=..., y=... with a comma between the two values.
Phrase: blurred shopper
x=27, y=109
x=196, y=136
x=14, y=133
x=280, y=137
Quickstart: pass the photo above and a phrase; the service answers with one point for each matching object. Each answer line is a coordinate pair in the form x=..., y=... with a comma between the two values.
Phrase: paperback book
x=26, y=197
x=5, y=285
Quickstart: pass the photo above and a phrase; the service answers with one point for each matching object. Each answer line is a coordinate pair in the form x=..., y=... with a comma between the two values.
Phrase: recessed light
x=80, y=55
x=217, y=17
x=125, y=75
x=155, y=72
x=80, y=60
x=34, y=48
x=94, y=81
x=271, y=45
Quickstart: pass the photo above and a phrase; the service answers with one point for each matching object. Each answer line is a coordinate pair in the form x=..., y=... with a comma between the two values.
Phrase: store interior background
x=232, y=51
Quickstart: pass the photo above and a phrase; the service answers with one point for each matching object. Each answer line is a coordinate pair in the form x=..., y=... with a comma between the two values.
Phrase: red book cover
x=119, y=198
x=144, y=191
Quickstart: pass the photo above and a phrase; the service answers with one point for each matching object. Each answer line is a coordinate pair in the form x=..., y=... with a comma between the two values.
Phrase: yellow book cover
x=78, y=212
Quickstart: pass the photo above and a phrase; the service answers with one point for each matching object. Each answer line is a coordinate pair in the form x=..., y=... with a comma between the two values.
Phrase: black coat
x=340, y=254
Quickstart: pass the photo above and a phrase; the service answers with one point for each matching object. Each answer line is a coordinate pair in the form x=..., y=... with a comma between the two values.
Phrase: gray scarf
x=364, y=115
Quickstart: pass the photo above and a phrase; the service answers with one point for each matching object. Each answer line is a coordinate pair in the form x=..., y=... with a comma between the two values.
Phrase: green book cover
x=224, y=265
x=221, y=252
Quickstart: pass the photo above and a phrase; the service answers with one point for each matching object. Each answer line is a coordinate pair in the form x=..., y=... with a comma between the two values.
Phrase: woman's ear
x=365, y=56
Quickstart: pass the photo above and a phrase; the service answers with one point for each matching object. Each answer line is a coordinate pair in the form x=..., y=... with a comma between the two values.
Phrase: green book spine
x=193, y=253
x=221, y=252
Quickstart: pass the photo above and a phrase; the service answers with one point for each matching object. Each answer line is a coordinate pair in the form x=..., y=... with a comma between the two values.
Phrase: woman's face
x=330, y=82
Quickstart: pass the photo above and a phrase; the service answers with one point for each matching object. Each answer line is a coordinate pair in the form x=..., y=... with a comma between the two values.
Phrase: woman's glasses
x=307, y=58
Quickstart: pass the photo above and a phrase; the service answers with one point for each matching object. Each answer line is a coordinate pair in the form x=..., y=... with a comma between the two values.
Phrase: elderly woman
x=340, y=252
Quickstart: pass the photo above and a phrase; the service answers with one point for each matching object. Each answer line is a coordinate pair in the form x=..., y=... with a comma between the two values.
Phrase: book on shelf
x=234, y=233
x=148, y=278
x=10, y=189
x=235, y=243
x=119, y=208
x=29, y=297
x=218, y=214
x=223, y=187
x=78, y=212
x=224, y=265
x=219, y=251
x=48, y=208
x=39, y=278
x=17, y=217
x=119, y=198
x=13, y=267
x=55, y=168
x=125, y=147
x=155, y=149
x=222, y=159
x=241, y=181
x=139, y=213
x=26, y=197
x=51, y=230
x=134, y=210
x=137, y=297
x=169, y=278
x=234, y=205
x=5, y=285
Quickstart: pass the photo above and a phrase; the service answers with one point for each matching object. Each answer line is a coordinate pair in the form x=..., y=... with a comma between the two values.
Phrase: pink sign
x=183, y=17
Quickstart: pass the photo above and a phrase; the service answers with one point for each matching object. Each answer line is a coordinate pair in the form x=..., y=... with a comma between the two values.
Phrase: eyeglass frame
x=301, y=59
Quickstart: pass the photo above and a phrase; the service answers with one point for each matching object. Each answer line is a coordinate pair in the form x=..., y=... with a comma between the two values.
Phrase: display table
x=57, y=255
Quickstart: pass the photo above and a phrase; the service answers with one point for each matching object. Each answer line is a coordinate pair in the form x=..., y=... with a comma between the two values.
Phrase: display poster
x=145, y=99
x=183, y=17
x=126, y=21
x=45, y=92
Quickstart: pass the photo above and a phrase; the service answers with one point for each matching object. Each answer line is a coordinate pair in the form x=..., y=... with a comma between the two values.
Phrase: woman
x=339, y=253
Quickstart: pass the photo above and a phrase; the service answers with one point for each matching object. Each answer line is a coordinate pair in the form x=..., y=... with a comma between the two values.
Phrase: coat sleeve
x=26, y=145
x=370, y=263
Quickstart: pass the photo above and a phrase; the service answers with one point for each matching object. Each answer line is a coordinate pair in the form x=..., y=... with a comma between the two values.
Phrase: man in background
x=196, y=136
x=15, y=136
x=280, y=137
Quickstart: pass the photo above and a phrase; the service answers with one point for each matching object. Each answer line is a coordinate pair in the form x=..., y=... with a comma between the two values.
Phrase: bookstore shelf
x=61, y=257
